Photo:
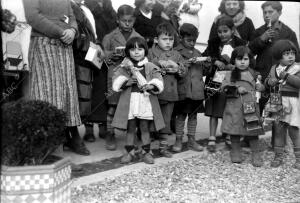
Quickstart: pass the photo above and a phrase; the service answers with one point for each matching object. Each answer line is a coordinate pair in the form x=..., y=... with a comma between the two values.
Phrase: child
x=114, y=44
x=243, y=79
x=172, y=67
x=286, y=75
x=190, y=89
x=214, y=105
x=138, y=101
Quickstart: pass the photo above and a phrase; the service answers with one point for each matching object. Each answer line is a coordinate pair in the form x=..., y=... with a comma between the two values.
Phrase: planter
x=42, y=183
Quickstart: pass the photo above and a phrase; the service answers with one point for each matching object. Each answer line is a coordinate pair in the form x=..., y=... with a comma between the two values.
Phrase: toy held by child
x=134, y=105
x=239, y=106
x=286, y=75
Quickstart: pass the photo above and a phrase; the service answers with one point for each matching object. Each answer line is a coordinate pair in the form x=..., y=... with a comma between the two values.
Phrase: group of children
x=155, y=82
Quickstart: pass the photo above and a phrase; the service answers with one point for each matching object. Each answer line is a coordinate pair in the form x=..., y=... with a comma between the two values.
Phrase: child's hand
x=131, y=82
x=220, y=65
x=163, y=64
x=147, y=87
x=172, y=67
x=283, y=75
x=242, y=90
x=259, y=86
x=273, y=82
x=268, y=34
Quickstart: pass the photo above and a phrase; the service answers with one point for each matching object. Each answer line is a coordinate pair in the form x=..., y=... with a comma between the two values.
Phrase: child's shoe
x=211, y=145
x=163, y=149
x=193, y=145
x=148, y=158
x=278, y=159
x=126, y=158
x=177, y=147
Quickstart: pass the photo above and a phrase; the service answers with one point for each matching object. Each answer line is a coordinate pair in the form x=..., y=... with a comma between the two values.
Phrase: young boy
x=114, y=46
x=172, y=67
x=190, y=89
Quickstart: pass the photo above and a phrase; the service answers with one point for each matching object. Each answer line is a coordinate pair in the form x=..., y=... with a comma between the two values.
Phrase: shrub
x=31, y=131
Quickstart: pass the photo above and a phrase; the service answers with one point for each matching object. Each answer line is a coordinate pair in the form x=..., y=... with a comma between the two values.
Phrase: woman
x=52, y=75
x=235, y=10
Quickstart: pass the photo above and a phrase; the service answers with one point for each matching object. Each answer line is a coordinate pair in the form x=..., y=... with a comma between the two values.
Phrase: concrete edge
x=110, y=174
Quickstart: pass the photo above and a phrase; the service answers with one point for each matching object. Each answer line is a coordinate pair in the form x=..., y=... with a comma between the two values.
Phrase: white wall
x=290, y=15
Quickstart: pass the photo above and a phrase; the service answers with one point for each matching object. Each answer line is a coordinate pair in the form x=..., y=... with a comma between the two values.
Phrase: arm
x=256, y=44
x=108, y=50
x=294, y=80
x=120, y=78
x=156, y=81
x=39, y=22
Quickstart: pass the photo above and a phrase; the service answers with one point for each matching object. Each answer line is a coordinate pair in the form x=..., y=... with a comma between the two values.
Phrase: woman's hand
x=68, y=36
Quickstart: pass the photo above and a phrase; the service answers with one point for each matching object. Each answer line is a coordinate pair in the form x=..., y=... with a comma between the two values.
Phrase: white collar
x=143, y=62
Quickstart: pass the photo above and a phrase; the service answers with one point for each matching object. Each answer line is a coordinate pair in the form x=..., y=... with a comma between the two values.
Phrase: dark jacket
x=191, y=86
x=147, y=27
x=264, y=59
x=105, y=17
x=245, y=30
x=170, y=92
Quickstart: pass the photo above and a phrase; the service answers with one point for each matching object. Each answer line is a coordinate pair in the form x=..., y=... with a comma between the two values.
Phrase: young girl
x=214, y=104
x=286, y=76
x=243, y=79
x=139, y=82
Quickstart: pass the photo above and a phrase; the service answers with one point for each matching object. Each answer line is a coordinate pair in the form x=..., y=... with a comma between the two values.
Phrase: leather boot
x=89, y=133
x=297, y=156
x=177, y=147
x=110, y=142
x=236, y=150
x=75, y=143
x=193, y=145
x=127, y=157
x=257, y=160
x=148, y=158
x=163, y=149
x=278, y=159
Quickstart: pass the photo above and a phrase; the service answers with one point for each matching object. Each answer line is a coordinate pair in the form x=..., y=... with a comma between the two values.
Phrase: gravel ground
x=203, y=178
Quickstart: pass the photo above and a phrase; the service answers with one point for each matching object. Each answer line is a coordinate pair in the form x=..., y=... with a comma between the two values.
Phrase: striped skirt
x=52, y=76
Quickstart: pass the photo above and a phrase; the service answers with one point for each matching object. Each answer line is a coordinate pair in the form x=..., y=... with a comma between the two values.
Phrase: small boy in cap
x=190, y=88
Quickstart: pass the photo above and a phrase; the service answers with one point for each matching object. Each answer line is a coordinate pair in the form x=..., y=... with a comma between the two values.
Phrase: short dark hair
x=274, y=4
x=138, y=3
x=165, y=28
x=222, y=6
x=239, y=52
x=281, y=46
x=125, y=10
x=225, y=20
x=188, y=29
x=136, y=42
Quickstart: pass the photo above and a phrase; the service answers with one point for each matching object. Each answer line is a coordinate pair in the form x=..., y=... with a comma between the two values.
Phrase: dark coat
x=120, y=119
x=93, y=85
x=245, y=30
x=105, y=17
x=170, y=92
x=264, y=59
x=192, y=85
x=233, y=117
x=147, y=27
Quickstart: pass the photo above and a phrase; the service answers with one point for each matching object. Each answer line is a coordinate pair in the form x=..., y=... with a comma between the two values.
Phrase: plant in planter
x=31, y=131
